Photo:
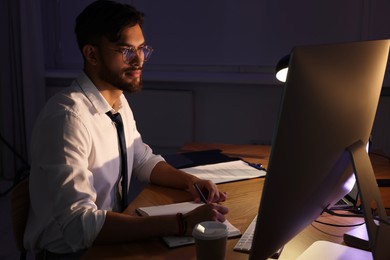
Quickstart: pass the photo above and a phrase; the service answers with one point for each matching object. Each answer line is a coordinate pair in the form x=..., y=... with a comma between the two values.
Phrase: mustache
x=133, y=68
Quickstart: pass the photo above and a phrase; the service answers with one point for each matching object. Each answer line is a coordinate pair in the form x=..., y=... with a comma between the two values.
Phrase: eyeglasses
x=129, y=53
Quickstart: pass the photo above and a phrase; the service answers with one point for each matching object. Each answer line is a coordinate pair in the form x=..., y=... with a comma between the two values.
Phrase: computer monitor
x=325, y=120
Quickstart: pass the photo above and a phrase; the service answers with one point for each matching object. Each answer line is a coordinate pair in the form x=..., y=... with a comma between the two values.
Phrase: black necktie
x=117, y=119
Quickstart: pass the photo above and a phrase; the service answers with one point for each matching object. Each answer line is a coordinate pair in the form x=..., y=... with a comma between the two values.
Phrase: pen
x=202, y=197
x=258, y=166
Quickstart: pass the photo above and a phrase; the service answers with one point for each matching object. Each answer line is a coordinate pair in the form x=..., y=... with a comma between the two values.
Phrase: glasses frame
x=129, y=53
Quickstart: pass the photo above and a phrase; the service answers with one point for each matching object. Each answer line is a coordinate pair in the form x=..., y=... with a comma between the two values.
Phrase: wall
x=211, y=77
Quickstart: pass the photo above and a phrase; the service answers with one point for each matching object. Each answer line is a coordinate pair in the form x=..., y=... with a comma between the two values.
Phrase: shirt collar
x=92, y=93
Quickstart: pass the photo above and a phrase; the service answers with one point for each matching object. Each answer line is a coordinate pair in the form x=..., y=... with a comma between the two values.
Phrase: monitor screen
x=329, y=103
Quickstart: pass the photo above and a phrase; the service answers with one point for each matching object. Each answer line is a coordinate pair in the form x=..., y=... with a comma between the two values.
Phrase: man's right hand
x=207, y=212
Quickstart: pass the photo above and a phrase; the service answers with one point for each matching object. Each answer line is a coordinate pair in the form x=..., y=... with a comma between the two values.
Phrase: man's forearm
x=120, y=227
x=165, y=175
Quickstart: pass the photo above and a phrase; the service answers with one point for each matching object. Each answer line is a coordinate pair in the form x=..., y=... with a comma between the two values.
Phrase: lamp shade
x=281, y=69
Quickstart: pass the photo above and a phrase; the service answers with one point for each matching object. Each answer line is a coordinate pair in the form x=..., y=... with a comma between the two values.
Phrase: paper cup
x=210, y=240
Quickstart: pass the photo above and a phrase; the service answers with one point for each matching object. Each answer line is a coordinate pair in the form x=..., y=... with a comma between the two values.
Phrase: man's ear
x=89, y=52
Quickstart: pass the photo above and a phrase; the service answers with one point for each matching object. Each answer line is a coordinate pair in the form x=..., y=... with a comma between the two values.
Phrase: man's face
x=113, y=70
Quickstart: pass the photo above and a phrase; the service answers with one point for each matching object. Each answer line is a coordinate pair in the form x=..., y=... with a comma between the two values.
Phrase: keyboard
x=245, y=242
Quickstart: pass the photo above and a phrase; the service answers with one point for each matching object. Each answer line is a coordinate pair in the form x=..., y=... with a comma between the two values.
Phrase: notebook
x=184, y=207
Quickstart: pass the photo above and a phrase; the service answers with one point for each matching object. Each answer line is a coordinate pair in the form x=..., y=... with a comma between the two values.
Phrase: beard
x=122, y=79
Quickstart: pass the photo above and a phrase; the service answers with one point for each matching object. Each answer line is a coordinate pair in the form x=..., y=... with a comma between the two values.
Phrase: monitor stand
x=376, y=235
x=378, y=226
x=358, y=238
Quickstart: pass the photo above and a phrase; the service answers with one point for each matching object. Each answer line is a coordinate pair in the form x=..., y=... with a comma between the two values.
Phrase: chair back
x=20, y=203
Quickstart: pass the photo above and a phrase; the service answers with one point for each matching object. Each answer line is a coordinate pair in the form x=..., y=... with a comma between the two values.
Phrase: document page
x=226, y=171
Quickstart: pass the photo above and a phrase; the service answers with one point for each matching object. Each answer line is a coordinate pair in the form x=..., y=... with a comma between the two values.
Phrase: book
x=183, y=207
x=196, y=158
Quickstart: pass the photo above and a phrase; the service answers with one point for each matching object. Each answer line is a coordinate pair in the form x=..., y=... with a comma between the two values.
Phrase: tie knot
x=116, y=118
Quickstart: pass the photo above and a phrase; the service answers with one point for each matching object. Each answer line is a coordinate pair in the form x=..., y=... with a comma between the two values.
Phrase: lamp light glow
x=282, y=68
x=281, y=75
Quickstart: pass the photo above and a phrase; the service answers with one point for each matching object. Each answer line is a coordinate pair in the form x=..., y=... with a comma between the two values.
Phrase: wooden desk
x=243, y=202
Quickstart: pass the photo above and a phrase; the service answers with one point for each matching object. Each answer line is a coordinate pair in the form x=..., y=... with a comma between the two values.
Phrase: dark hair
x=105, y=18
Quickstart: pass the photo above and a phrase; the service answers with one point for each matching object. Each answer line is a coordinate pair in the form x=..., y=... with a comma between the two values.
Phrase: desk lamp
x=282, y=68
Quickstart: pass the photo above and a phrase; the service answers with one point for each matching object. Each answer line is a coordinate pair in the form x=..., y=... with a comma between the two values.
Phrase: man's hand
x=208, y=212
x=209, y=190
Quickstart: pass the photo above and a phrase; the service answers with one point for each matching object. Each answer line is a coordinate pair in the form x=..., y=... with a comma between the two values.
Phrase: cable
x=382, y=221
x=333, y=213
x=326, y=232
x=338, y=225
x=14, y=151
x=21, y=173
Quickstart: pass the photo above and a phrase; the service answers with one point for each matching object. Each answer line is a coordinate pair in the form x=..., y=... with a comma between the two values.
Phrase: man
x=76, y=165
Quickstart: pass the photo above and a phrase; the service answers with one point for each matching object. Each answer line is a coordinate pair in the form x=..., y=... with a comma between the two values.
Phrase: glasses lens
x=128, y=55
x=144, y=52
x=147, y=52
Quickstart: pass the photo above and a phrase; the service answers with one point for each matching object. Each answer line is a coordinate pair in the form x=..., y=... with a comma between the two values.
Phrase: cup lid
x=210, y=230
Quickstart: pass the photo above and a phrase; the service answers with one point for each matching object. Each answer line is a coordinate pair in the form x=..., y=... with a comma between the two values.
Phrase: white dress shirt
x=75, y=167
